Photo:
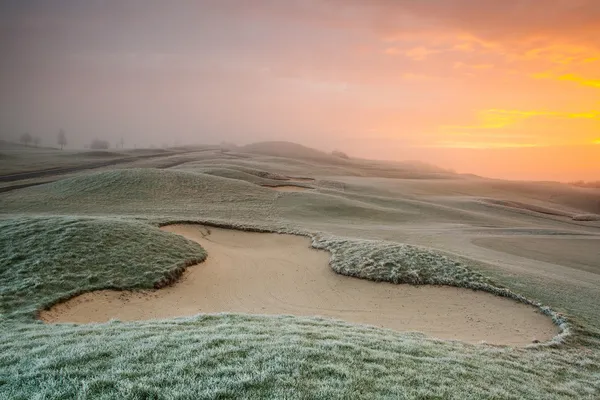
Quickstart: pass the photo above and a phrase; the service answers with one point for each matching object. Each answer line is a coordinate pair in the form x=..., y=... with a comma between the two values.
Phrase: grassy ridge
x=43, y=260
x=212, y=165
x=143, y=192
x=234, y=173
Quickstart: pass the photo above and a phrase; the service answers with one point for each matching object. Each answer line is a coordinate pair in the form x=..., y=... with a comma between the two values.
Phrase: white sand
x=280, y=274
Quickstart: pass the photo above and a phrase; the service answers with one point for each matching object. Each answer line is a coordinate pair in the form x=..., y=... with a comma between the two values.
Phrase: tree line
x=27, y=139
x=61, y=140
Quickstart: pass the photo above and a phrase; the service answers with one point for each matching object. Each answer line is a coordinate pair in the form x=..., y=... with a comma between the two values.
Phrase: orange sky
x=505, y=89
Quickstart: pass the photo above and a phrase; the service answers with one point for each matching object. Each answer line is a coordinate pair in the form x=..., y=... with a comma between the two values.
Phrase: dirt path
x=280, y=274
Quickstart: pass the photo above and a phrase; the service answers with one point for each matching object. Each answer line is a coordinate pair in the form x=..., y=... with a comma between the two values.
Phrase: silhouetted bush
x=340, y=154
x=26, y=139
x=99, y=144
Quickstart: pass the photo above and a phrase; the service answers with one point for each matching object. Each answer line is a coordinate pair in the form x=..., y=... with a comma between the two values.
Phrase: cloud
x=460, y=64
x=419, y=53
x=582, y=81
x=493, y=21
x=405, y=67
x=497, y=119
x=557, y=31
x=519, y=128
x=568, y=77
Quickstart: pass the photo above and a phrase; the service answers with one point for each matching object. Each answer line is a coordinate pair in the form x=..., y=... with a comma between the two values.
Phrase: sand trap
x=300, y=179
x=288, y=188
x=280, y=274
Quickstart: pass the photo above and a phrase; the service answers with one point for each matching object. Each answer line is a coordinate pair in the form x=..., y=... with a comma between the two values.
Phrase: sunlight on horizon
x=378, y=79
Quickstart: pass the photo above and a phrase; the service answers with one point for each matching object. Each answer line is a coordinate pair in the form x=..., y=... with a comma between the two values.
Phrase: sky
x=507, y=89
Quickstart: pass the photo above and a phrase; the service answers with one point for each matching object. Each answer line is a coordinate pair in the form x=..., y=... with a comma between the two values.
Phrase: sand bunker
x=280, y=274
x=288, y=188
x=300, y=179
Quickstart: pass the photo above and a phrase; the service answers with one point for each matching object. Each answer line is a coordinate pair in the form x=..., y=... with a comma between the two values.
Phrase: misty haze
x=324, y=199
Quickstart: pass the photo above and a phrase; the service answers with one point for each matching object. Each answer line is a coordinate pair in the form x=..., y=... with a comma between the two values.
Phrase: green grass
x=47, y=259
x=398, y=263
x=230, y=170
x=22, y=159
x=235, y=173
x=107, y=237
x=144, y=192
x=242, y=356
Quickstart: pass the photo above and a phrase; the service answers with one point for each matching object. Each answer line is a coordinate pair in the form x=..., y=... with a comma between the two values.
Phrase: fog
x=506, y=89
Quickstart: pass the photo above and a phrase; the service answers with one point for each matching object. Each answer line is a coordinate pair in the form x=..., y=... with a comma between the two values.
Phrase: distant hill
x=352, y=166
x=286, y=149
x=590, y=185
x=6, y=145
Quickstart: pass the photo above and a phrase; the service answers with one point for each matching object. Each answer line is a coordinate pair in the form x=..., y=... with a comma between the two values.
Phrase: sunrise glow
x=378, y=79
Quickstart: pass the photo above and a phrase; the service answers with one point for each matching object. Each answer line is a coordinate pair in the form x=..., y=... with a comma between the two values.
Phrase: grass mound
x=398, y=263
x=287, y=149
x=237, y=173
x=138, y=191
x=44, y=260
x=212, y=166
x=310, y=205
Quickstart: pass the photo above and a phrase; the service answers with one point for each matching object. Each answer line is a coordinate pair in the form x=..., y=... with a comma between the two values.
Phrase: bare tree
x=122, y=142
x=36, y=141
x=26, y=139
x=62, y=139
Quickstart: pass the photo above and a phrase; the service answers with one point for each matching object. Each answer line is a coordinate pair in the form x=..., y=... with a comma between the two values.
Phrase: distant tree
x=62, y=139
x=340, y=154
x=26, y=139
x=36, y=141
x=122, y=142
x=98, y=144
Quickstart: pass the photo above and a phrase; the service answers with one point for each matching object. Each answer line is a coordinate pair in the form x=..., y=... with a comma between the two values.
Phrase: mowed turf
x=47, y=259
x=106, y=236
x=550, y=250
